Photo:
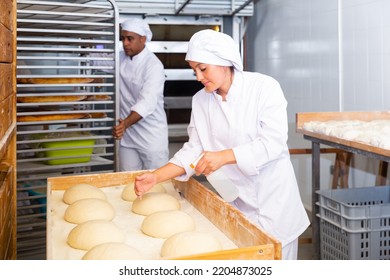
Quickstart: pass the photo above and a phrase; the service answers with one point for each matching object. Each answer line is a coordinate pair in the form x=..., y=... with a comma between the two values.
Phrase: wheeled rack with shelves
x=66, y=107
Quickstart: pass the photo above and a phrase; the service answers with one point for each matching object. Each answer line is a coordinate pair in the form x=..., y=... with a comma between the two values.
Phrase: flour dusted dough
x=81, y=191
x=113, y=251
x=89, y=209
x=189, y=243
x=375, y=133
x=164, y=224
x=86, y=235
x=128, y=193
x=154, y=202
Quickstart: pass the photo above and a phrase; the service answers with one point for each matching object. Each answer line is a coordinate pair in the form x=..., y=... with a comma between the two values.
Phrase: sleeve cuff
x=245, y=160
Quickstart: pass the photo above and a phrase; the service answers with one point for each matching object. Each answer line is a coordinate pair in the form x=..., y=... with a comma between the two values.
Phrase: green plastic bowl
x=75, y=149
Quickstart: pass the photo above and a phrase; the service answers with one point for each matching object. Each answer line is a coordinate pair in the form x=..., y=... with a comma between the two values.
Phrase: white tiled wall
x=296, y=42
x=365, y=54
x=331, y=55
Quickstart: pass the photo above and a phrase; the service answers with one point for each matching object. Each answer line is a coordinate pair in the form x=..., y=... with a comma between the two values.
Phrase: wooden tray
x=302, y=118
x=252, y=242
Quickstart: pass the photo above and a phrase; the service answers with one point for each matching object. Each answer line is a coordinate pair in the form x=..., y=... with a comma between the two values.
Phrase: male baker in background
x=142, y=127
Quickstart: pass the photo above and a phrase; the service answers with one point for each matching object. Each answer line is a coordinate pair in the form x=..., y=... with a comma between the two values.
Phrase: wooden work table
x=346, y=145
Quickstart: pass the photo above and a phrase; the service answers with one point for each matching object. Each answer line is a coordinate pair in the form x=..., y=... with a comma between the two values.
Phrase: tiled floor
x=305, y=249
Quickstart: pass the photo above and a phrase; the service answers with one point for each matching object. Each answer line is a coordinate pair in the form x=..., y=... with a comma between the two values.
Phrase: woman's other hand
x=143, y=183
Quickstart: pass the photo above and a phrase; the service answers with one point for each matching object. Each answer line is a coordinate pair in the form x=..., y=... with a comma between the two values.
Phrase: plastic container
x=355, y=223
x=225, y=188
x=77, y=151
x=36, y=190
x=222, y=184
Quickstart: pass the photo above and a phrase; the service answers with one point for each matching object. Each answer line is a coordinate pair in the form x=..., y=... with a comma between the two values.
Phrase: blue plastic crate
x=355, y=223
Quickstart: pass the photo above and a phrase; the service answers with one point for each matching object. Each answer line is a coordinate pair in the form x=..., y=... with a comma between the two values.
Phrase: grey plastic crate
x=355, y=223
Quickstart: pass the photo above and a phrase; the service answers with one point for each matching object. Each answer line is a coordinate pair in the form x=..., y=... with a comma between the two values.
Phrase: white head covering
x=213, y=47
x=138, y=26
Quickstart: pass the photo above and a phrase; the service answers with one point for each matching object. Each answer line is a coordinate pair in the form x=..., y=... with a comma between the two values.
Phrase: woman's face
x=213, y=77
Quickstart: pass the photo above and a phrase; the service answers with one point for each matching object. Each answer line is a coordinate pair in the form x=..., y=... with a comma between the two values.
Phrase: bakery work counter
x=326, y=137
x=240, y=238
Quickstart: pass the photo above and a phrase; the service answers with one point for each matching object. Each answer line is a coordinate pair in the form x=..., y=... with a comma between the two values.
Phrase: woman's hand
x=144, y=182
x=212, y=161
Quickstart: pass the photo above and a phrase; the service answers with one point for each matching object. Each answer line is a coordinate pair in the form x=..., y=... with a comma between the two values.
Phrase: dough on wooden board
x=81, y=191
x=128, y=193
x=189, y=243
x=375, y=132
x=164, y=224
x=113, y=251
x=86, y=235
x=87, y=209
x=154, y=202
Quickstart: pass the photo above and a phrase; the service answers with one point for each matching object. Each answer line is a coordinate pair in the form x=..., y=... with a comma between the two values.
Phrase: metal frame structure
x=55, y=40
x=187, y=7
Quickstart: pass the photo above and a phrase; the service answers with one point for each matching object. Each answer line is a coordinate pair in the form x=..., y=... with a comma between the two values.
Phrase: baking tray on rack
x=250, y=241
x=302, y=118
x=54, y=80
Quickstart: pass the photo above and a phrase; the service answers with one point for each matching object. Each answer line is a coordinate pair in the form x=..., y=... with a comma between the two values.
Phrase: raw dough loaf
x=167, y=223
x=128, y=193
x=189, y=243
x=81, y=191
x=86, y=235
x=113, y=251
x=154, y=202
x=88, y=209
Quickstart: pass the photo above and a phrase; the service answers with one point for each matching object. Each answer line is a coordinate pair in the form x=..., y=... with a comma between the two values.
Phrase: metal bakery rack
x=66, y=107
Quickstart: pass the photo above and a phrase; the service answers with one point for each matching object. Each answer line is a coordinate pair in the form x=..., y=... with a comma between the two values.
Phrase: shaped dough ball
x=189, y=243
x=154, y=202
x=89, y=209
x=167, y=223
x=128, y=193
x=86, y=235
x=81, y=191
x=113, y=251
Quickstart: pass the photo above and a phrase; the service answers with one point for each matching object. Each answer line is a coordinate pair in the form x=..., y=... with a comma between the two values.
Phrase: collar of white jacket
x=138, y=26
x=213, y=47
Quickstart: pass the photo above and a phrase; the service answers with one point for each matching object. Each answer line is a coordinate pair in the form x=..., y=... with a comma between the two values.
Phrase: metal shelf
x=185, y=7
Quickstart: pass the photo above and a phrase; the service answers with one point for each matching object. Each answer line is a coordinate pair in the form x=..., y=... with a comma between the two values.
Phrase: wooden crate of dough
x=240, y=238
x=304, y=118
